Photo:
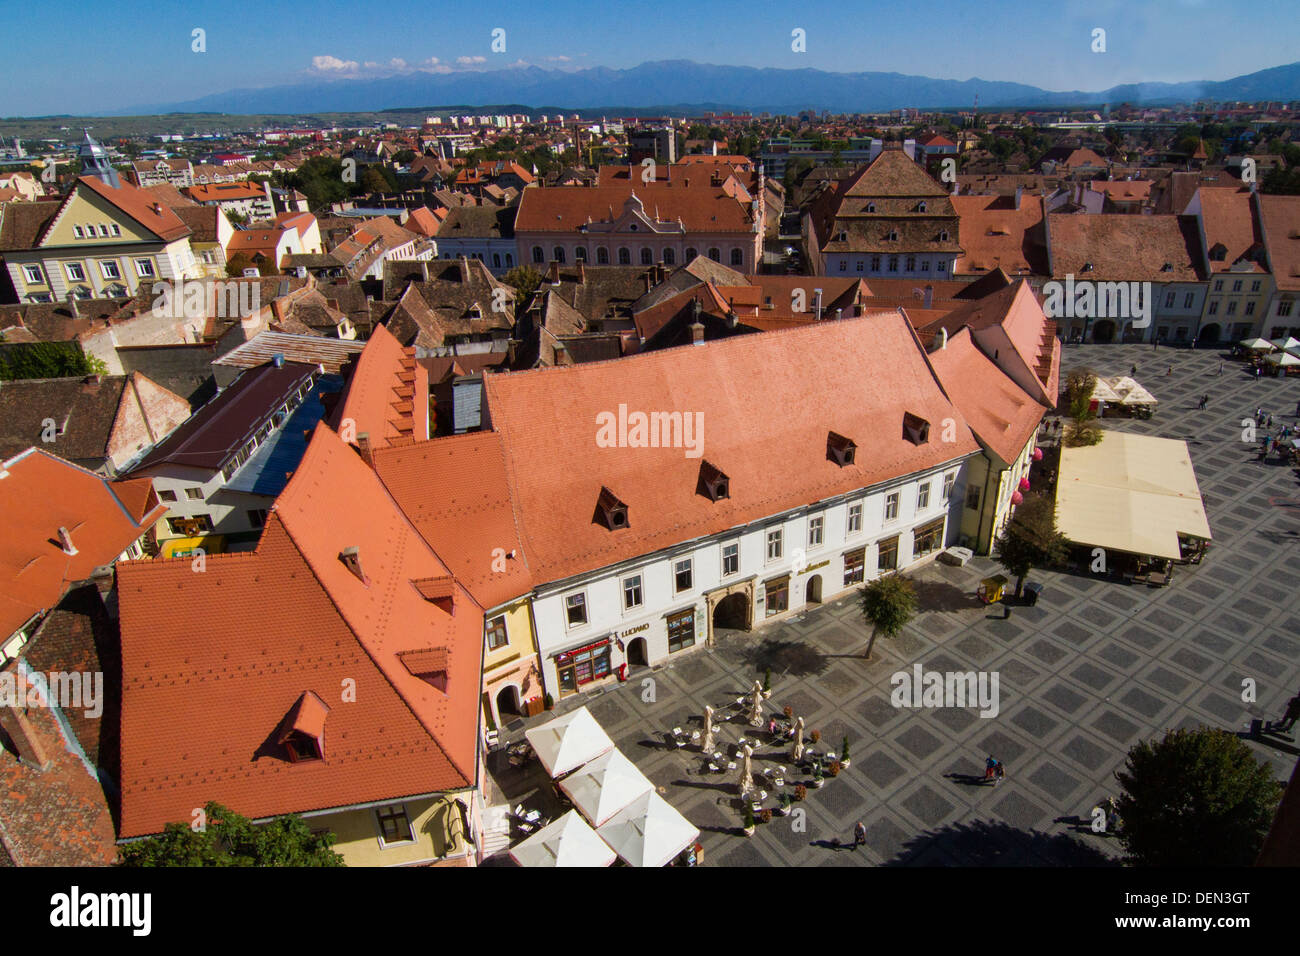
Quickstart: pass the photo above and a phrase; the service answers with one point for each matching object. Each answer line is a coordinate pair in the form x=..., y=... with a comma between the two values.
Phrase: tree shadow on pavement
x=790, y=657
x=993, y=843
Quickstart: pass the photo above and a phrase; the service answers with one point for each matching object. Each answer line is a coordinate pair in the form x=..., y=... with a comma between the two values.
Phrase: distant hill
x=684, y=82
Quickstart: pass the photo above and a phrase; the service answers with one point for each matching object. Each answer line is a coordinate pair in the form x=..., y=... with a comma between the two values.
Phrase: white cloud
x=332, y=64
x=557, y=59
x=470, y=60
x=397, y=63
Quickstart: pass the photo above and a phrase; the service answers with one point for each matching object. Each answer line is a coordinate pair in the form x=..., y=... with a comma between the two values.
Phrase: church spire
x=95, y=162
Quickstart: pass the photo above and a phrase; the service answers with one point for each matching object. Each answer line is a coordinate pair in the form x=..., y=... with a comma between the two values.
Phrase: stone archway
x=813, y=590
x=731, y=608
x=1104, y=331
x=1209, y=334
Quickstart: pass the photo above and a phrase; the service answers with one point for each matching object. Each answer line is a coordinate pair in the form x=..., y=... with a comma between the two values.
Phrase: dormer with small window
x=429, y=665
x=610, y=512
x=1087, y=267
x=840, y=450
x=921, y=206
x=713, y=484
x=302, y=732
x=440, y=590
x=351, y=558
x=1218, y=252
x=915, y=429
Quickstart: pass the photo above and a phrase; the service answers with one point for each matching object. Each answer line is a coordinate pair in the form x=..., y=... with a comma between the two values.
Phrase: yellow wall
x=519, y=630
x=87, y=208
x=435, y=823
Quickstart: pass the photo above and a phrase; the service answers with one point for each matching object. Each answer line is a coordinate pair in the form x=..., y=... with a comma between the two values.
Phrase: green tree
x=525, y=280
x=1083, y=430
x=1030, y=540
x=887, y=603
x=237, y=263
x=1195, y=798
x=231, y=840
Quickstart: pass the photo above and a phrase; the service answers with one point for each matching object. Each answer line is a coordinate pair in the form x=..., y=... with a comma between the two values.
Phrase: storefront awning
x=648, y=832
x=1131, y=493
x=569, y=741
x=569, y=841
x=605, y=786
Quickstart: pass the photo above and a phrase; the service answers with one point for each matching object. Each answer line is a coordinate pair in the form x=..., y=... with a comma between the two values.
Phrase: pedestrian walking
x=1204, y=399
x=859, y=835
x=1133, y=371
x=1297, y=409
x=1220, y=371
x=1170, y=372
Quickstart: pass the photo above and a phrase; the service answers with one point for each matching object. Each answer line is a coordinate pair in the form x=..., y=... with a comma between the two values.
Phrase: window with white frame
x=77, y=233
x=496, y=633
x=75, y=272
x=117, y=230
x=948, y=481
x=575, y=609
x=33, y=275
x=730, y=558
x=632, y=597
x=394, y=825
x=774, y=544
x=109, y=270
x=891, y=506
x=855, y=518
x=144, y=268
x=816, y=526
x=682, y=575
x=923, y=496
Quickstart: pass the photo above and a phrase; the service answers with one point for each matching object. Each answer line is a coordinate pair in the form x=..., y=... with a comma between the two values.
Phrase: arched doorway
x=636, y=653
x=1104, y=331
x=813, y=592
x=732, y=612
x=1209, y=334
x=508, y=702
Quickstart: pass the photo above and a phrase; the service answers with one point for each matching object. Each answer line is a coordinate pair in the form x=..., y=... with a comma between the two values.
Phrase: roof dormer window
x=921, y=207
x=438, y=590
x=1087, y=267
x=943, y=235
x=351, y=558
x=610, y=512
x=1218, y=252
x=915, y=429
x=713, y=484
x=302, y=732
x=429, y=664
x=871, y=207
x=840, y=450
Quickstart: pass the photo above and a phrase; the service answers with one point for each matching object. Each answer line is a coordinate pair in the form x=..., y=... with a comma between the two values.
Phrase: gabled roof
x=700, y=206
x=855, y=377
x=386, y=395
x=892, y=174
x=40, y=494
x=140, y=206
x=1121, y=247
x=1229, y=220
x=1281, y=215
x=994, y=234
x=209, y=679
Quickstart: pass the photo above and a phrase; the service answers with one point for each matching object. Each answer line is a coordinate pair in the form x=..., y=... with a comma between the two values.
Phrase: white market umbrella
x=1256, y=345
x=796, y=750
x=569, y=741
x=707, y=745
x=604, y=786
x=1287, y=343
x=1285, y=359
x=746, y=772
x=649, y=832
x=569, y=841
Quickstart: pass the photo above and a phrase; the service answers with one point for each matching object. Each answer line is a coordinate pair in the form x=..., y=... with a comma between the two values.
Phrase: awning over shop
x=569, y=841
x=1284, y=359
x=1130, y=392
x=605, y=786
x=1130, y=493
x=189, y=547
x=569, y=741
x=1256, y=345
x=648, y=832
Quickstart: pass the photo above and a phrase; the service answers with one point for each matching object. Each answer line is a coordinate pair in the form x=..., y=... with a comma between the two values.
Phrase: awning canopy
x=1102, y=392
x=569, y=741
x=1256, y=345
x=604, y=786
x=569, y=841
x=1129, y=392
x=1286, y=343
x=1285, y=359
x=648, y=832
x=1130, y=493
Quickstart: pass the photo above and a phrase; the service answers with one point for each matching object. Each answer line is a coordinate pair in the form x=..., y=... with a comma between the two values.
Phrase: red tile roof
x=855, y=377
x=40, y=494
x=995, y=234
x=214, y=661
x=1229, y=218
x=1281, y=216
x=386, y=395
x=140, y=206
x=701, y=207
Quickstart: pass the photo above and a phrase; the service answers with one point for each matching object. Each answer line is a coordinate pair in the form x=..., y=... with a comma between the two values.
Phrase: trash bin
x=1032, y=590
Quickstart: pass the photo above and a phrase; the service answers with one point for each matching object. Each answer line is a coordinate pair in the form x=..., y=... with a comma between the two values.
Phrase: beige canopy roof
x=1131, y=493
x=1129, y=392
x=1102, y=392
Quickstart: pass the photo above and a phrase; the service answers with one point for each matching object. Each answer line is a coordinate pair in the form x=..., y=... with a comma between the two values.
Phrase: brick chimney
x=365, y=448
x=65, y=542
x=16, y=726
x=553, y=272
x=697, y=333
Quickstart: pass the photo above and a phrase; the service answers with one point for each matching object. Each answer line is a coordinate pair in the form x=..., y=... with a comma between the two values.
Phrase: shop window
x=927, y=538
x=681, y=630
x=854, y=566
x=887, y=554
x=778, y=595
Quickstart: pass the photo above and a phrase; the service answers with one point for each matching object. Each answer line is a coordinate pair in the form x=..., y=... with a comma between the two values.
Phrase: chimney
x=363, y=446
x=72, y=305
x=351, y=558
x=839, y=314
x=943, y=337
x=553, y=272
x=14, y=723
x=697, y=333
x=817, y=303
x=582, y=272
x=929, y=296
x=65, y=542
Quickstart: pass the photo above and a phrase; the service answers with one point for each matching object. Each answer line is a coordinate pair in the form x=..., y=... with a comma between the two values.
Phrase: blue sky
x=117, y=55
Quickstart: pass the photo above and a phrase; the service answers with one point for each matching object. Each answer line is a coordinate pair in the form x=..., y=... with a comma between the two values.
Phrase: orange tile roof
x=214, y=661
x=387, y=393
x=1228, y=218
x=140, y=206
x=40, y=494
x=855, y=377
x=994, y=234
x=454, y=490
x=1281, y=215
x=701, y=207
x=225, y=192
x=1002, y=415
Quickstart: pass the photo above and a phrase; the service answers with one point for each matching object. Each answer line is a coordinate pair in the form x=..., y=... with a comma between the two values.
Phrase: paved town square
x=1090, y=670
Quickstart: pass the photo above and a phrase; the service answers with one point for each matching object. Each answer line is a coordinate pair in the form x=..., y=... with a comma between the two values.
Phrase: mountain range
x=679, y=83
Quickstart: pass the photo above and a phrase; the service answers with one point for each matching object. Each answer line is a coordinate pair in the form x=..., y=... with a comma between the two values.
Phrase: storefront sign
x=635, y=630
x=814, y=567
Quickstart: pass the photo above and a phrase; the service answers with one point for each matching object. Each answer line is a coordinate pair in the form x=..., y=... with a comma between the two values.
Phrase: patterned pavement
x=1092, y=669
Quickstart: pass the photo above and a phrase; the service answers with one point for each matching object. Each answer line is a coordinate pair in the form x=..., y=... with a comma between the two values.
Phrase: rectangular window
x=1232, y=307
x=1254, y=286
x=778, y=595
x=923, y=496
x=496, y=633
x=103, y=229
x=681, y=630
x=815, y=527
x=843, y=266
x=1250, y=308
x=887, y=555
x=891, y=506
x=257, y=517
x=855, y=518
x=859, y=265
x=75, y=272
x=1284, y=308
x=117, y=230
x=144, y=268
x=854, y=564
x=774, y=544
x=109, y=270
x=394, y=826
x=1169, y=300
x=875, y=263
x=682, y=575
x=1188, y=300
x=927, y=538
x=893, y=263
x=948, y=482
x=575, y=608
x=1218, y=285
x=1214, y=307
x=166, y=494
x=33, y=275
x=631, y=592
x=1236, y=286
x=194, y=494
x=730, y=558
x=77, y=233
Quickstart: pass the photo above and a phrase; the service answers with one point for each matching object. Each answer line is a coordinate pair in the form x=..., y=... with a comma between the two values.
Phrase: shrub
x=800, y=792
